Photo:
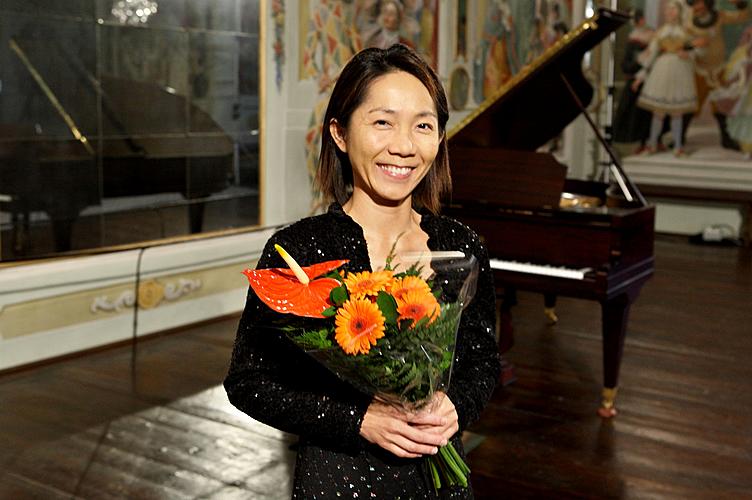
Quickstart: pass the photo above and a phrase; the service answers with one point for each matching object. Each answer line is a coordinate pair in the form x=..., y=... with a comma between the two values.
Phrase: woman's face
x=671, y=13
x=392, y=138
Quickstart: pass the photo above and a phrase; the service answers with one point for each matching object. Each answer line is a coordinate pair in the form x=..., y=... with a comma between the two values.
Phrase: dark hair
x=638, y=15
x=334, y=177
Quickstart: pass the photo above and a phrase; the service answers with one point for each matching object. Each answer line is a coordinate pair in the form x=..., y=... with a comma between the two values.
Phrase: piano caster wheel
x=551, y=316
x=607, y=409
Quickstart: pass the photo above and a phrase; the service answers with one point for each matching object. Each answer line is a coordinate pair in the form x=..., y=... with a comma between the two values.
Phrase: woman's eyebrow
x=390, y=111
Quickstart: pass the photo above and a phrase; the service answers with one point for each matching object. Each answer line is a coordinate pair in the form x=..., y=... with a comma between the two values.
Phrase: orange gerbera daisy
x=409, y=283
x=416, y=305
x=359, y=325
x=367, y=283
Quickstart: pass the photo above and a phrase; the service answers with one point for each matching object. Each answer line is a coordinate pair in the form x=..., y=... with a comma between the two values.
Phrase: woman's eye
x=381, y=123
x=425, y=126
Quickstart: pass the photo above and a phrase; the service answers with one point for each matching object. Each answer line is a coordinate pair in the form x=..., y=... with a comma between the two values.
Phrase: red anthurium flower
x=284, y=292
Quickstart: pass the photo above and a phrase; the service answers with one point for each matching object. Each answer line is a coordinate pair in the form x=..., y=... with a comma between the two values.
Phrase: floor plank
x=155, y=423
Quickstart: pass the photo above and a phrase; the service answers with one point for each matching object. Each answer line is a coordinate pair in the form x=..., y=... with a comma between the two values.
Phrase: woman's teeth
x=392, y=169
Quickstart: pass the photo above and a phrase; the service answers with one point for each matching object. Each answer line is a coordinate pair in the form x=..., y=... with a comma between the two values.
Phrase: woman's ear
x=338, y=134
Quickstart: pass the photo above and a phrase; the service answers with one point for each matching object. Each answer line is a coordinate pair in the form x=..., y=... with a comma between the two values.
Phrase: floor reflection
x=195, y=447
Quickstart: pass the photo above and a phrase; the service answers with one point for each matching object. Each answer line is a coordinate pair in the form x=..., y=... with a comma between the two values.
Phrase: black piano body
x=511, y=195
x=128, y=156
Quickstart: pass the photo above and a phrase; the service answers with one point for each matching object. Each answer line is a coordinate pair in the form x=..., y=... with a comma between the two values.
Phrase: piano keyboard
x=525, y=267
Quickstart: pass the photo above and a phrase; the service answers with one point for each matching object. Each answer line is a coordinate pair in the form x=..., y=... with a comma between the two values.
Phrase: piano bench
x=739, y=198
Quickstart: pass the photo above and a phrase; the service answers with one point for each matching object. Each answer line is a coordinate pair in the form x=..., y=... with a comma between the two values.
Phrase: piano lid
x=535, y=105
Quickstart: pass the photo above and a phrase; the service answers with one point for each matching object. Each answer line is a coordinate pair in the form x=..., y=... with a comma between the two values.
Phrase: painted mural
x=698, y=52
x=511, y=34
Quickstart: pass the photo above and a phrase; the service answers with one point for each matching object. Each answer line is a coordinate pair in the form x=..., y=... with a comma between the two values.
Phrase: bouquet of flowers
x=389, y=333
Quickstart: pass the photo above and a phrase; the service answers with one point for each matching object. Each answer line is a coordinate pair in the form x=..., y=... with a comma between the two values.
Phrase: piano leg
x=20, y=228
x=615, y=316
x=196, y=215
x=62, y=232
x=549, y=308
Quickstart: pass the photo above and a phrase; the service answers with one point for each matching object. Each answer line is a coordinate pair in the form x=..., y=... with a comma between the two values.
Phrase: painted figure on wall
x=496, y=60
x=382, y=23
x=668, y=76
x=554, y=14
x=549, y=26
x=420, y=25
x=705, y=26
x=330, y=42
x=631, y=122
x=511, y=34
x=737, y=79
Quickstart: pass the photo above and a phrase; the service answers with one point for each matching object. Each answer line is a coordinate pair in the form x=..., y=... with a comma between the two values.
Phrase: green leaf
x=334, y=275
x=329, y=312
x=338, y=295
x=314, y=339
x=388, y=307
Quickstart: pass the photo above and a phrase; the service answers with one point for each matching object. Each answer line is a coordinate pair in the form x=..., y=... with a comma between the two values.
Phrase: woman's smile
x=391, y=139
x=396, y=172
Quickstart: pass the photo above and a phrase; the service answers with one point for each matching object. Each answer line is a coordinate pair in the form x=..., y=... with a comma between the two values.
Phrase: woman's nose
x=402, y=143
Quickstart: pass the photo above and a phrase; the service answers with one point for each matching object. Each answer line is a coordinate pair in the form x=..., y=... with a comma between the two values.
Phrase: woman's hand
x=406, y=435
x=636, y=84
x=443, y=407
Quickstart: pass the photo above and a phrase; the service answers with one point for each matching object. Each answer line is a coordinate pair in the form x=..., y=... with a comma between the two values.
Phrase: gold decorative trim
x=527, y=70
x=51, y=313
x=51, y=96
x=151, y=293
x=608, y=397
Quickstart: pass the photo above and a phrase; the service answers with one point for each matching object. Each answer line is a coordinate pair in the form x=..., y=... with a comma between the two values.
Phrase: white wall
x=54, y=308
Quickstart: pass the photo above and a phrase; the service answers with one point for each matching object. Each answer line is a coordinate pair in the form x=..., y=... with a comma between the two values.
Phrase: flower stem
x=446, y=454
x=458, y=459
x=434, y=474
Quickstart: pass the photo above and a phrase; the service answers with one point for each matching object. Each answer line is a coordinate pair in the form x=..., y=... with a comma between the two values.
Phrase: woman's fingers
x=416, y=447
x=391, y=431
x=442, y=416
x=434, y=419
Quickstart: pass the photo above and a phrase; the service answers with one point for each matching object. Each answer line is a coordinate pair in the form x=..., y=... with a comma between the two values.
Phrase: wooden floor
x=157, y=424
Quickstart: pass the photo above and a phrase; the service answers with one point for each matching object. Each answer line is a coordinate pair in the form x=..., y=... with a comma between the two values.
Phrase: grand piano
x=135, y=146
x=546, y=233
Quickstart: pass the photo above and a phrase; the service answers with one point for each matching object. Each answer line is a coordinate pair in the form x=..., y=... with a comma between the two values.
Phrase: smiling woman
x=392, y=143
x=384, y=165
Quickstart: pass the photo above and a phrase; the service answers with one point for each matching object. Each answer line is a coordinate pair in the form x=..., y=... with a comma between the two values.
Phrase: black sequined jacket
x=275, y=383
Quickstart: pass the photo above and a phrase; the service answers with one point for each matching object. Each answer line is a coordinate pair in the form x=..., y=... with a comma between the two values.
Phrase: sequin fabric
x=276, y=383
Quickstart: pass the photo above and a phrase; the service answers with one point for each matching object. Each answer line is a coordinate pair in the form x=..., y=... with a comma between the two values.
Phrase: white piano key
x=525, y=267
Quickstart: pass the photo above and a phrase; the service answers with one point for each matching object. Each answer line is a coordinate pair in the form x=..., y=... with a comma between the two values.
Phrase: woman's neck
x=390, y=231
x=384, y=221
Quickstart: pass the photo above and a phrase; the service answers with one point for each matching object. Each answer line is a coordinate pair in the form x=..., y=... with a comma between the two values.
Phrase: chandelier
x=133, y=12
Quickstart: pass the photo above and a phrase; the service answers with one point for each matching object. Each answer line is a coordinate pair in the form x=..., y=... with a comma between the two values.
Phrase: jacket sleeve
x=477, y=364
x=270, y=379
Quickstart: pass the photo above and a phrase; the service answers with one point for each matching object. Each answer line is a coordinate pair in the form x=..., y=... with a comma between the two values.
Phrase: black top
x=276, y=383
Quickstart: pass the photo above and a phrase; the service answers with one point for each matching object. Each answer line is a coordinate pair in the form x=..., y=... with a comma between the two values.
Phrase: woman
x=668, y=74
x=384, y=163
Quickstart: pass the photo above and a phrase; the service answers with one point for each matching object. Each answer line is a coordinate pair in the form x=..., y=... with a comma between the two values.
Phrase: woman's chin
x=390, y=197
